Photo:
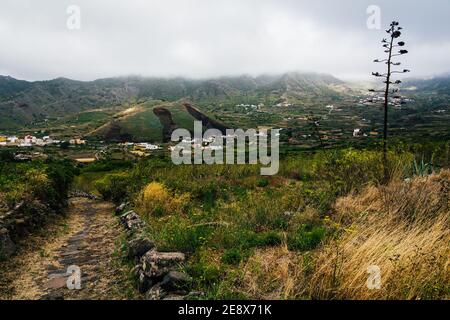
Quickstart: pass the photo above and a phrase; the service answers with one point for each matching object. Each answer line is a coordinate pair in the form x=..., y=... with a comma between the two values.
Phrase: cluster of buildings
x=196, y=143
x=358, y=133
x=77, y=141
x=284, y=104
x=250, y=106
x=141, y=146
x=30, y=141
x=27, y=141
x=397, y=101
x=207, y=143
x=144, y=146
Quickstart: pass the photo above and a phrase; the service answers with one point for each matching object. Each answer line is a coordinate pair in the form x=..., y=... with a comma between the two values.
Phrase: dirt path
x=88, y=238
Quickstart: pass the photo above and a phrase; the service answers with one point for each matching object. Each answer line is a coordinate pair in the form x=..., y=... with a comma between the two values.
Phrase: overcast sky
x=208, y=38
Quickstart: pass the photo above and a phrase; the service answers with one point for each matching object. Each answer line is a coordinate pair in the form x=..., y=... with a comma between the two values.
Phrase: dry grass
x=403, y=229
x=273, y=274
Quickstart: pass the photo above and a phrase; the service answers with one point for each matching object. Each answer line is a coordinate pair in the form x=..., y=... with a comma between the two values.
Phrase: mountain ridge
x=23, y=102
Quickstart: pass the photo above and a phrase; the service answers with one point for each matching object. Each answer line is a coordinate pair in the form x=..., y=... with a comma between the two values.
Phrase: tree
x=390, y=46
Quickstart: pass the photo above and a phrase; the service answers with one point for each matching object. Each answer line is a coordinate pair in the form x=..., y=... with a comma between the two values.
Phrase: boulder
x=157, y=264
x=132, y=221
x=143, y=282
x=138, y=246
x=155, y=293
x=175, y=280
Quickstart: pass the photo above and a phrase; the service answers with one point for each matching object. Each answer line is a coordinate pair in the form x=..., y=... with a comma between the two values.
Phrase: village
x=30, y=141
x=373, y=98
x=87, y=151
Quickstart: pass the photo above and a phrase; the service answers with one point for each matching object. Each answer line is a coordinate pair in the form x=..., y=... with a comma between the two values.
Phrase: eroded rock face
x=157, y=264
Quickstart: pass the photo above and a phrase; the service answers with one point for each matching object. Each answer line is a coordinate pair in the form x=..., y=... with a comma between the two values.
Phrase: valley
x=221, y=231
x=313, y=109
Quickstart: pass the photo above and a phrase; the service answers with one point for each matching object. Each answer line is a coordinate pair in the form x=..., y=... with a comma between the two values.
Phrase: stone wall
x=159, y=274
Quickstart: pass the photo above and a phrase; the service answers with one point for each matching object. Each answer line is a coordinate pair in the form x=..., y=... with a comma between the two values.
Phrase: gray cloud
x=204, y=38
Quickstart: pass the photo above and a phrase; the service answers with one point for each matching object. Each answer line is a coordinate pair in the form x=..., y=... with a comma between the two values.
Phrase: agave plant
x=422, y=169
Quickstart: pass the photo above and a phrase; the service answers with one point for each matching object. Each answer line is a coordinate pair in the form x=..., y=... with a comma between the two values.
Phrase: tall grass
x=404, y=229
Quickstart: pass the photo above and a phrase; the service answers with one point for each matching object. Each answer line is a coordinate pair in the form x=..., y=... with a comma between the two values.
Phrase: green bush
x=263, y=239
x=113, y=186
x=48, y=182
x=232, y=256
x=306, y=238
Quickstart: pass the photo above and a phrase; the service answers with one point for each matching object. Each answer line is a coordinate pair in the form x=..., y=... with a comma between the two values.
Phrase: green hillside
x=150, y=121
x=29, y=104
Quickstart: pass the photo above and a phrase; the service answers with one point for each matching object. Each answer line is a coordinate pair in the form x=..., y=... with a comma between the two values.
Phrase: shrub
x=264, y=239
x=156, y=200
x=306, y=238
x=113, y=186
x=263, y=182
x=232, y=256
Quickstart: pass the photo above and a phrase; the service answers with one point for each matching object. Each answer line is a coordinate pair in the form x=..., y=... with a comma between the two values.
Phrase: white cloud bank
x=205, y=38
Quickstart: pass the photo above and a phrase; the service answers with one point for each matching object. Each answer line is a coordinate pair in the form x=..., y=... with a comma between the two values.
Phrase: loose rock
x=175, y=280
x=138, y=246
x=155, y=293
x=132, y=221
x=158, y=264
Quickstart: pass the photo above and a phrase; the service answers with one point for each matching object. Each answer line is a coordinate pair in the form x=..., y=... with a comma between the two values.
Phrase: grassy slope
x=255, y=237
x=142, y=124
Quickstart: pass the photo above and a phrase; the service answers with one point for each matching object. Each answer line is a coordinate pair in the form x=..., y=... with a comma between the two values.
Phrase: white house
x=148, y=146
x=357, y=133
x=29, y=139
x=13, y=139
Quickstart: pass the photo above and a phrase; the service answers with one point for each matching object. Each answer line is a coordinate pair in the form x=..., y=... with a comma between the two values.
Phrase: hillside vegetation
x=27, y=103
x=31, y=194
x=309, y=233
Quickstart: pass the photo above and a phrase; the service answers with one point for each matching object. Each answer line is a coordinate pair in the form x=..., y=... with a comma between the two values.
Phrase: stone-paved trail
x=88, y=239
